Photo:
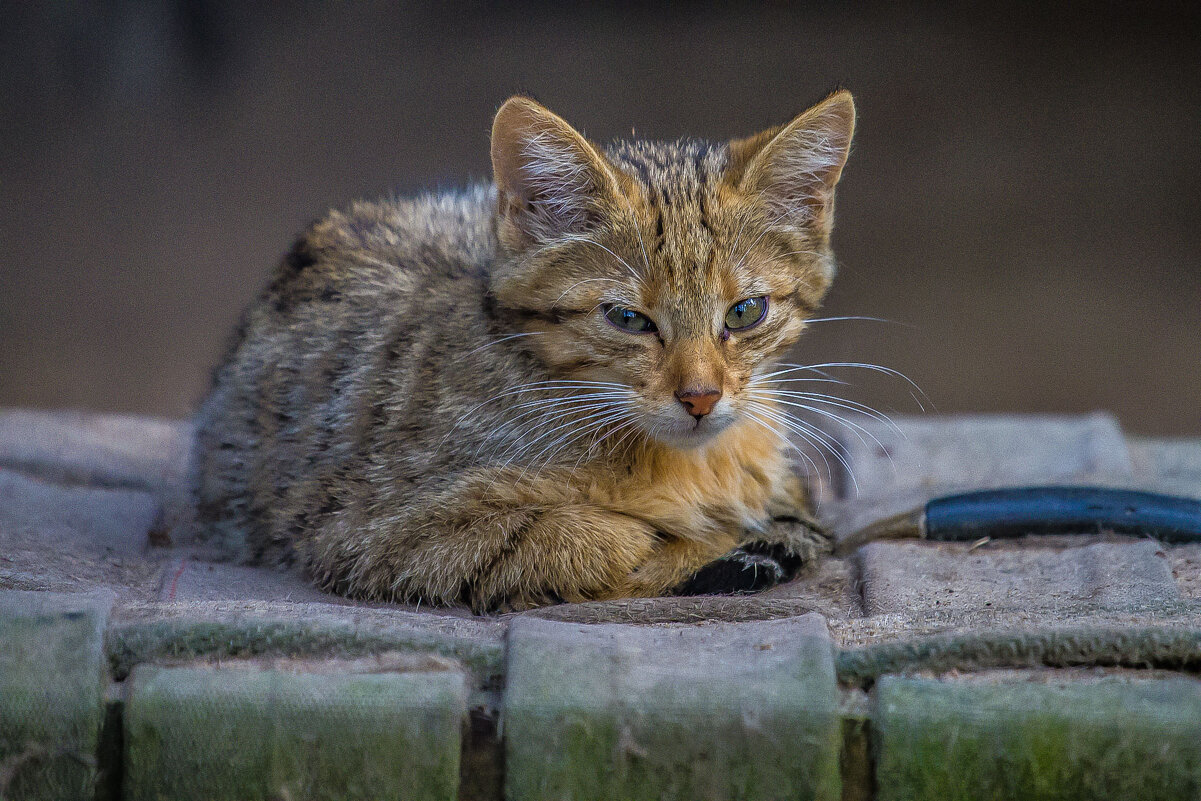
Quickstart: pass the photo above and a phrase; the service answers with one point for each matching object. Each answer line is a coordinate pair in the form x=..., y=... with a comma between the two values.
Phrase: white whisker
x=502, y=339
x=855, y=428
x=835, y=447
x=589, y=425
x=792, y=445
x=594, y=414
x=814, y=435
x=542, y=415
x=830, y=400
x=550, y=385
x=547, y=417
x=879, y=369
x=628, y=420
x=585, y=281
x=637, y=230
x=818, y=368
x=545, y=402
x=825, y=379
x=856, y=317
x=629, y=438
x=624, y=263
x=818, y=445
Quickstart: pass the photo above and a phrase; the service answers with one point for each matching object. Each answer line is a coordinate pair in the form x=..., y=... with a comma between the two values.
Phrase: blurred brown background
x=1022, y=200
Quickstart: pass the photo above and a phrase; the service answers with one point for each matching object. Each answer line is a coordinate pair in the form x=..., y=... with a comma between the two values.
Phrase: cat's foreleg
x=570, y=553
x=671, y=564
x=508, y=542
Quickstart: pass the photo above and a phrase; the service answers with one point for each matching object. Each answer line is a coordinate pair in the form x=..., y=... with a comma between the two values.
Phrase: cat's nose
x=699, y=401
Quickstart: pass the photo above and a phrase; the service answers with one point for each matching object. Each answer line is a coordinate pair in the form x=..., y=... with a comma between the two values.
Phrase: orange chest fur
x=711, y=494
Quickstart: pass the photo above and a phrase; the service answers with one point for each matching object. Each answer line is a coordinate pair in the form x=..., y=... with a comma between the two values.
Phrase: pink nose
x=699, y=401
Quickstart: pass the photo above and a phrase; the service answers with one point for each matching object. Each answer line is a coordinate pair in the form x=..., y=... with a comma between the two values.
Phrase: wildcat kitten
x=540, y=391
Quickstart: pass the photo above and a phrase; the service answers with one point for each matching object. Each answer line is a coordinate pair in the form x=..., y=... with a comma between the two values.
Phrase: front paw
x=793, y=542
x=738, y=572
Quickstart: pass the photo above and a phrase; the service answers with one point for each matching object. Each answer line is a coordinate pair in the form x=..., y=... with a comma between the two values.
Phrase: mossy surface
x=727, y=711
x=52, y=677
x=1111, y=739
x=244, y=734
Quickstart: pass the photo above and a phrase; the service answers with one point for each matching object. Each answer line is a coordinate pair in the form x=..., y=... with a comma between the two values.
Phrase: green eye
x=629, y=320
x=746, y=313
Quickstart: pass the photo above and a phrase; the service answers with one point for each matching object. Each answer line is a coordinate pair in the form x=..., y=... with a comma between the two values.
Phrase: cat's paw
x=736, y=573
x=792, y=541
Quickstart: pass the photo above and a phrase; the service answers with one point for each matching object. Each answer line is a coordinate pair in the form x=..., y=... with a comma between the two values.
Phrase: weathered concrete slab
x=52, y=679
x=911, y=576
x=1185, y=561
x=828, y=588
x=57, y=538
x=717, y=711
x=1167, y=465
x=97, y=449
x=191, y=579
x=928, y=456
x=1063, y=737
x=245, y=734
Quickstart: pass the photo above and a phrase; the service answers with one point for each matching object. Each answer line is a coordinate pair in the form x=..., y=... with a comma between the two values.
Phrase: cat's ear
x=550, y=181
x=793, y=170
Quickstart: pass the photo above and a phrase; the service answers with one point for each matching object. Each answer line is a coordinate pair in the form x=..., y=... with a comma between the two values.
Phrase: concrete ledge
x=718, y=711
x=52, y=680
x=244, y=734
x=1112, y=738
x=1167, y=465
x=1135, y=647
x=187, y=632
x=101, y=450
x=923, y=457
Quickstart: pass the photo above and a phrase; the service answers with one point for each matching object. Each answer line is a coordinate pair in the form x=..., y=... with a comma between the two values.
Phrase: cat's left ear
x=793, y=170
x=550, y=180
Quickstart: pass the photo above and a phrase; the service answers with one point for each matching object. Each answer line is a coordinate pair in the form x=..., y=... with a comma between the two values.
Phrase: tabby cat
x=552, y=388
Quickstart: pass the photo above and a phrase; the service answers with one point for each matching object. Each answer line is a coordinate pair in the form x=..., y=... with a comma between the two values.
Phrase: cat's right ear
x=793, y=170
x=550, y=181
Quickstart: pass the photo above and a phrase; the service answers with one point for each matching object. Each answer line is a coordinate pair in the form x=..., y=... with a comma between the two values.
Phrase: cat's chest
x=716, y=492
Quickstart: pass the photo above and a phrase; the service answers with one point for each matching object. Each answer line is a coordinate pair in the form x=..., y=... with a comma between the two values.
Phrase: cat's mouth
x=687, y=431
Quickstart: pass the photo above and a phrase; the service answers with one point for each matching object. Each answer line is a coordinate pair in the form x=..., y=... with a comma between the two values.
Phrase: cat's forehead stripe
x=676, y=179
x=684, y=164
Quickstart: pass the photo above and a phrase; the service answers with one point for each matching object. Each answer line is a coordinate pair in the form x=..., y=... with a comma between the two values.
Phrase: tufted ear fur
x=793, y=170
x=550, y=181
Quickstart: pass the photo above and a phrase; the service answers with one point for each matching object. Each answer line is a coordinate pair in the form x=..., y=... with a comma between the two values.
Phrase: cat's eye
x=629, y=320
x=746, y=314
